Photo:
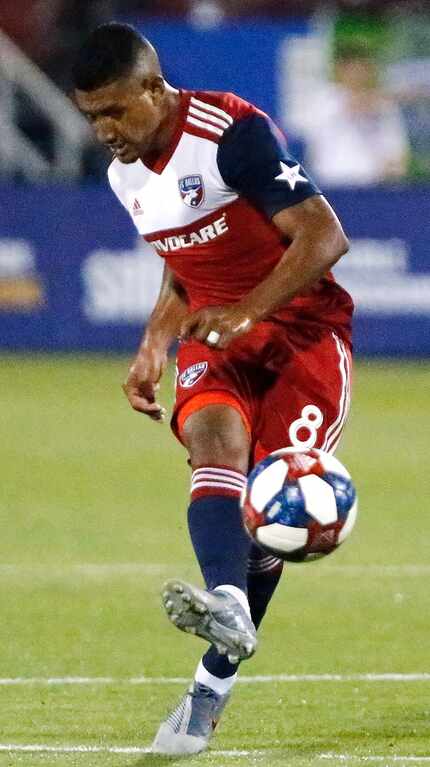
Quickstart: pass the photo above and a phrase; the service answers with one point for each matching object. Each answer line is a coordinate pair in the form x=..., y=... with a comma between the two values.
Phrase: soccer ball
x=299, y=504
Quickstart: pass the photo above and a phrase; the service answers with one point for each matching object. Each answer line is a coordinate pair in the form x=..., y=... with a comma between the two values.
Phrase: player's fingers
x=152, y=409
x=159, y=416
x=201, y=332
x=229, y=333
x=202, y=325
x=184, y=330
x=188, y=325
x=223, y=341
x=143, y=392
x=147, y=390
x=217, y=335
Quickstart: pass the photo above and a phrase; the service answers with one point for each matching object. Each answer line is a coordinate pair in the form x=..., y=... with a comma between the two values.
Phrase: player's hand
x=142, y=382
x=217, y=326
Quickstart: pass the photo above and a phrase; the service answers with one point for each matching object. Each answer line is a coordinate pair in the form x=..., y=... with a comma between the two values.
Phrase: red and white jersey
x=206, y=204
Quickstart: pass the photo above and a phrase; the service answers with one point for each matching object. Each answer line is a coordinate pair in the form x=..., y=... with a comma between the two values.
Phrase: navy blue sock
x=264, y=572
x=220, y=540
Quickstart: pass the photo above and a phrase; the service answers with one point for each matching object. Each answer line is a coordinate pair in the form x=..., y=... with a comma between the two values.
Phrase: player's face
x=125, y=115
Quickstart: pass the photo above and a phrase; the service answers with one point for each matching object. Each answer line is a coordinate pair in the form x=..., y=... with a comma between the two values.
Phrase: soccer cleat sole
x=192, y=610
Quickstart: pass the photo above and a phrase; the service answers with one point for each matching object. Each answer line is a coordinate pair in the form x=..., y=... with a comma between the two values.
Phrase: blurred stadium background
x=348, y=82
x=89, y=488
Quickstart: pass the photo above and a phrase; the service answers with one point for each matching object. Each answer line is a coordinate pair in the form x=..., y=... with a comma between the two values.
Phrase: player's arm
x=166, y=317
x=253, y=159
x=150, y=362
x=317, y=241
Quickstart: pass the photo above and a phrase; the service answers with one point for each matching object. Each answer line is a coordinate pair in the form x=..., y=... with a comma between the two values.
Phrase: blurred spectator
x=358, y=136
x=276, y=8
x=206, y=13
x=407, y=77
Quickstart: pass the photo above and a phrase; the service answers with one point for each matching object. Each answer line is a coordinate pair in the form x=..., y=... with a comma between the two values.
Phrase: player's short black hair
x=108, y=54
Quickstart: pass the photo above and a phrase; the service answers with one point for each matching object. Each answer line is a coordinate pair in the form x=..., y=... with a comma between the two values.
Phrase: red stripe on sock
x=202, y=492
x=216, y=480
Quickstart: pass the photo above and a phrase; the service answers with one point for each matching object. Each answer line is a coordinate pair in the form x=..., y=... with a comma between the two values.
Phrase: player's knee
x=216, y=435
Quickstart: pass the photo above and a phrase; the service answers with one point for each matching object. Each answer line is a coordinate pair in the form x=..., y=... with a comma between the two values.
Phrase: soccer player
x=264, y=355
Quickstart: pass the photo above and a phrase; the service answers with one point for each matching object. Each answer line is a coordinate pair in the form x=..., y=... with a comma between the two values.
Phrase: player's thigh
x=216, y=435
x=308, y=406
x=211, y=416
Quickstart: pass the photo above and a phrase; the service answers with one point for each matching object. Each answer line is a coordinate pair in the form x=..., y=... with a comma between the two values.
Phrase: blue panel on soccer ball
x=344, y=492
x=293, y=505
x=274, y=510
x=261, y=466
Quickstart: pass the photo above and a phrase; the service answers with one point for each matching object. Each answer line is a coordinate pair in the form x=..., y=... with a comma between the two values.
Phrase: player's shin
x=220, y=614
x=220, y=541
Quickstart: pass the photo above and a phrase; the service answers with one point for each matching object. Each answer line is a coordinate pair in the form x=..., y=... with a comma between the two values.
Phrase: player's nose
x=108, y=138
x=105, y=134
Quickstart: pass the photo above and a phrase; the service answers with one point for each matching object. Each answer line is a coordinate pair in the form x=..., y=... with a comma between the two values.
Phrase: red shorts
x=290, y=384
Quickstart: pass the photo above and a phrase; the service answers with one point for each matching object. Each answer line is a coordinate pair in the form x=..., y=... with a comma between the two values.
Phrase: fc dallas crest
x=192, y=190
x=191, y=375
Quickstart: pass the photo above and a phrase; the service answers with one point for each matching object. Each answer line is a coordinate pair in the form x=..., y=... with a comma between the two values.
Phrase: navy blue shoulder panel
x=254, y=161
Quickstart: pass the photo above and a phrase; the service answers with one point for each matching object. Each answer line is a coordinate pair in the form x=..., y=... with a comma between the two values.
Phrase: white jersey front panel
x=189, y=188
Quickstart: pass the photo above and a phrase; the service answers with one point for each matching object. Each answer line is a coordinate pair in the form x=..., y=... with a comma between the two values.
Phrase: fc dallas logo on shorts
x=191, y=375
x=192, y=190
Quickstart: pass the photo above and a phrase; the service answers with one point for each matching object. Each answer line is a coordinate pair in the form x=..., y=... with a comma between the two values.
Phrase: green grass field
x=92, y=509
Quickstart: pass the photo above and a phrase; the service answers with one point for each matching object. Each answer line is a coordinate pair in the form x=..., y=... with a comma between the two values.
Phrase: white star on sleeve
x=291, y=175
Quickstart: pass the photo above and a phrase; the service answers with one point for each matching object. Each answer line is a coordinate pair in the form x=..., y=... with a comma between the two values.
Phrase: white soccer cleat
x=213, y=615
x=188, y=728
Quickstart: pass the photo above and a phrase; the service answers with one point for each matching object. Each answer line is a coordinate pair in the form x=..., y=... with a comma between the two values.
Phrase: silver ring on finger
x=213, y=337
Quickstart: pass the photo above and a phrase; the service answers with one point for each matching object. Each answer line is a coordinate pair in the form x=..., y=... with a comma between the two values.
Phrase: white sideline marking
x=81, y=749
x=91, y=570
x=39, y=748
x=386, y=759
x=110, y=680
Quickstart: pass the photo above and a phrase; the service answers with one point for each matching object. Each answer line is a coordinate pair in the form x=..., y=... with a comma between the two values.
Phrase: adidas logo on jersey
x=203, y=235
x=137, y=210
